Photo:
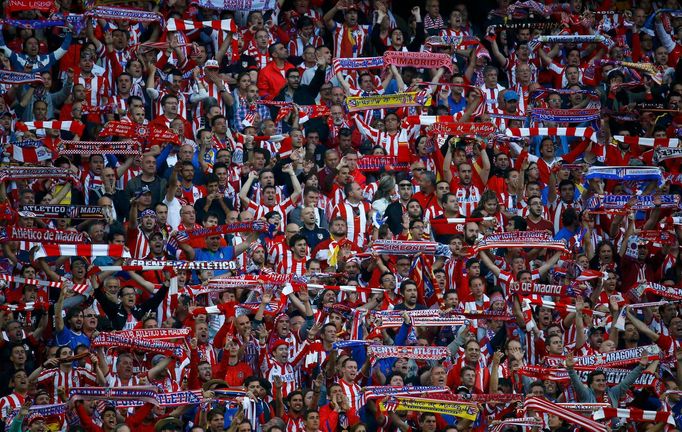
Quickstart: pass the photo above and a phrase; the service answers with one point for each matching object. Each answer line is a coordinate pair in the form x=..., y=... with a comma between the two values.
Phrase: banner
x=62, y=211
x=28, y=5
x=520, y=239
x=29, y=151
x=395, y=100
x=404, y=403
x=419, y=60
x=462, y=129
x=38, y=235
x=127, y=147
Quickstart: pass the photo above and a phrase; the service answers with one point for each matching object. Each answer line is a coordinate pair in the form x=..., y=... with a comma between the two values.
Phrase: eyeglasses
x=418, y=169
x=89, y=316
x=405, y=185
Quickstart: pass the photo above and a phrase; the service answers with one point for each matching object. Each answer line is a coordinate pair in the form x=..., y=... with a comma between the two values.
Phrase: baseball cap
x=212, y=64
x=34, y=418
x=511, y=95
x=141, y=191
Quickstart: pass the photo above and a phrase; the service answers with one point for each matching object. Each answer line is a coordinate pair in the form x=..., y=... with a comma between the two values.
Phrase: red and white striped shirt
x=349, y=42
x=10, y=403
x=52, y=379
x=96, y=88
x=357, y=220
x=557, y=209
x=468, y=198
x=352, y=392
x=283, y=208
x=290, y=265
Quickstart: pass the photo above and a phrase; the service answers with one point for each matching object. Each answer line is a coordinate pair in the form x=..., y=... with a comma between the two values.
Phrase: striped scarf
x=635, y=415
x=82, y=250
x=579, y=132
x=175, y=24
x=29, y=151
x=545, y=406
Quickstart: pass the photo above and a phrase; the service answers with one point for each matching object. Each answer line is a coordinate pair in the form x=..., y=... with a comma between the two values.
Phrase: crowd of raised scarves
x=270, y=215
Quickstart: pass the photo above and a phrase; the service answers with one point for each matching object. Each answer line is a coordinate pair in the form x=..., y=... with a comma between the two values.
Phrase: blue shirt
x=68, y=337
x=564, y=234
x=225, y=253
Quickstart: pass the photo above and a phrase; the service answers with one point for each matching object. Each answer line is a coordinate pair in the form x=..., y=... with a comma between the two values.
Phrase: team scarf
x=142, y=393
x=672, y=293
x=408, y=247
x=79, y=288
x=648, y=142
x=154, y=333
x=235, y=5
x=386, y=101
x=500, y=425
x=480, y=398
x=82, y=250
x=577, y=132
x=635, y=415
x=143, y=265
x=411, y=352
x=565, y=115
x=527, y=289
x=418, y=60
x=545, y=92
x=34, y=24
x=306, y=112
x=111, y=340
x=425, y=318
x=545, y=406
x=663, y=153
x=99, y=109
x=15, y=173
x=29, y=151
x=75, y=127
x=345, y=288
x=380, y=392
x=492, y=315
x=452, y=226
x=122, y=14
x=624, y=357
x=463, y=410
x=521, y=239
x=519, y=24
x=462, y=129
x=237, y=227
x=646, y=68
x=613, y=376
x=39, y=235
x=173, y=399
x=561, y=306
x=626, y=173
x=126, y=147
x=642, y=202
x=372, y=163
x=18, y=78
x=43, y=410
x=25, y=307
x=272, y=309
x=62, y=211
x=356, y=64
x=583, y=407
x=152, y=134
x=567, y=39
x=450, y=41
x=175, y=24
x=27, y=5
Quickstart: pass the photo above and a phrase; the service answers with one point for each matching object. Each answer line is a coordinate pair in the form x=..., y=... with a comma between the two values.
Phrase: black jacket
x=118, y=315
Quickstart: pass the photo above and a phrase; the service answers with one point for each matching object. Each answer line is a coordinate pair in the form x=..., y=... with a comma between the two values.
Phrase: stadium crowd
x=308, y=215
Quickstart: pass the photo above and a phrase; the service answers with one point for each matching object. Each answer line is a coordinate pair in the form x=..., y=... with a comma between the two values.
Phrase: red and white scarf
x=635, y=415
x=175, y=24
x=521, y=239
x=587, y=133
x=82, y=250
x=545, y=406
